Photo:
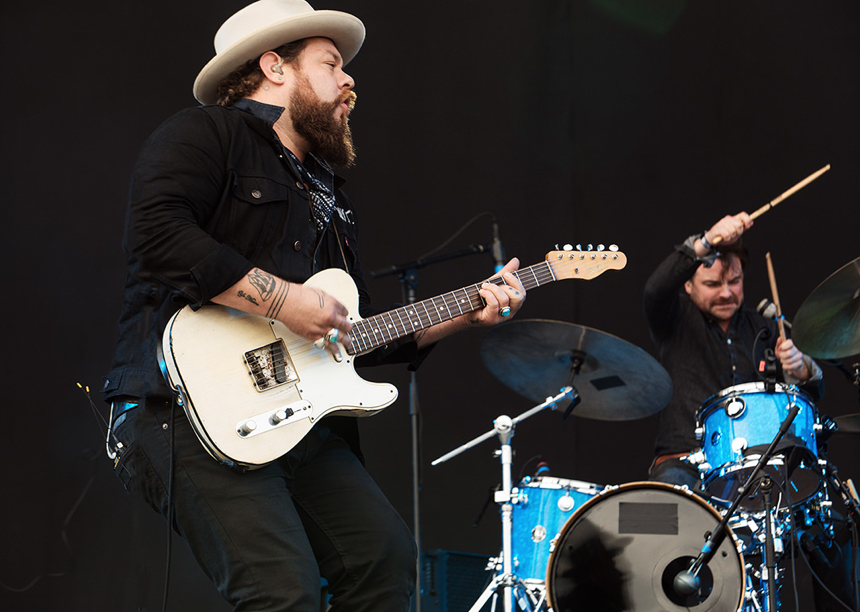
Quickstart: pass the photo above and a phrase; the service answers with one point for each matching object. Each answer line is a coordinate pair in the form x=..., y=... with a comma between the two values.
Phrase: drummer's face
x=719, y=290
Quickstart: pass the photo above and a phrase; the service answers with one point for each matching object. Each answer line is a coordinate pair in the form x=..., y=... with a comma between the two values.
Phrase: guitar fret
x=456, y=302
x=427, y=312
x=389, y=327
x=414, y=313
x=460, y=301
x=532, y=270
x=397, y=311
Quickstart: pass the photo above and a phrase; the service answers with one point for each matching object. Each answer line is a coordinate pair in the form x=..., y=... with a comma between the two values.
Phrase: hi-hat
x=616, y=380
x=827, y=325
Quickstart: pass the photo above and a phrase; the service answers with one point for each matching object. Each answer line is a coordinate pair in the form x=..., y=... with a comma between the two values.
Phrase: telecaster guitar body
x=250, y=419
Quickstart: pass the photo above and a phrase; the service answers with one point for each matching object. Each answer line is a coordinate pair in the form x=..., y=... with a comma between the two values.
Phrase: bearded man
x=235, y=203
x=709, y=340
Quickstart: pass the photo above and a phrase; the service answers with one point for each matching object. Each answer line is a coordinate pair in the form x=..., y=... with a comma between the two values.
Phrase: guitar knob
x=247, y=427
x=281, y=415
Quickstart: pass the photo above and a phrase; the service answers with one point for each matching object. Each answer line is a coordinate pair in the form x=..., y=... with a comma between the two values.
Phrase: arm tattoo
x=248, y=297
x=281, y=291
x=263, y=282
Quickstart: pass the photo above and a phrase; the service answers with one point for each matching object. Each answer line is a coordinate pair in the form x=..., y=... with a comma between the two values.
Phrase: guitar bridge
x=270, y=366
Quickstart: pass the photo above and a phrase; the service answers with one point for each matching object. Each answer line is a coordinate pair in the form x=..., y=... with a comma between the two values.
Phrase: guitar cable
x=170, y=509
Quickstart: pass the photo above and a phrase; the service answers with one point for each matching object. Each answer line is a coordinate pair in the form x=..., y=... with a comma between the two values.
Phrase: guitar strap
x=340, y=245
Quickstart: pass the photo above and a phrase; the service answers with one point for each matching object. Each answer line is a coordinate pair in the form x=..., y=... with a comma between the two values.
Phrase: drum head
x=622, y=550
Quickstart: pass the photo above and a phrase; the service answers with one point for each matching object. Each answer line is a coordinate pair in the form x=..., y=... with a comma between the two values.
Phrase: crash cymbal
x=827, y=325
x=617, y=381
x=848, y=423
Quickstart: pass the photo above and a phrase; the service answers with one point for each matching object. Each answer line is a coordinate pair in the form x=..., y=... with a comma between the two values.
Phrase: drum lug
x=700, y=433
x=696, y=458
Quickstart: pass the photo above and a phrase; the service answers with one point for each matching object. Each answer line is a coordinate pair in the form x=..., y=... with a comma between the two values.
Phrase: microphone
x=686, y=583
x=767, y=309
x=498, y=249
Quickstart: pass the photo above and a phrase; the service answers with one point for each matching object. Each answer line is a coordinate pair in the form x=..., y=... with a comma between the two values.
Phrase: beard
x=314, y=120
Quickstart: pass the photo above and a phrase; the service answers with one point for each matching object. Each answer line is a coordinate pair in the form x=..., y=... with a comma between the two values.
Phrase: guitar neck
x=368, y=334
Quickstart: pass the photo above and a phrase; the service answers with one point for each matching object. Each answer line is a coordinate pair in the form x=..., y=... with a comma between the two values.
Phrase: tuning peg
x=578, y=247
x=590, y=248
x=613, y=247
x=600, y=247
x=567, y=247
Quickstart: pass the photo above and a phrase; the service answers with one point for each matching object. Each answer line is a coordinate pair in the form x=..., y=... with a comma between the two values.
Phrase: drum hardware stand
x=503, y=428
x=852, y=505
x=769, y=575
x=687, y=582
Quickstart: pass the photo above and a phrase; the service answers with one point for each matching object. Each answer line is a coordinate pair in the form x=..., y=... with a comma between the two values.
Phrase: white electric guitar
x=252, y=388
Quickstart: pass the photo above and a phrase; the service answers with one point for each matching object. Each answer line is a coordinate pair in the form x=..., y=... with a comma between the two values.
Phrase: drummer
x=709, y=340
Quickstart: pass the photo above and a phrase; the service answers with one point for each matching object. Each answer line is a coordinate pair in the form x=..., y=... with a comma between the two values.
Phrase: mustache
x=349, y=97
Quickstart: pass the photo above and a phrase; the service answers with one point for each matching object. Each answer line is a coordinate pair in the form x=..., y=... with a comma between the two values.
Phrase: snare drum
x=738, y=424
x=623, y=549
x=542, y=507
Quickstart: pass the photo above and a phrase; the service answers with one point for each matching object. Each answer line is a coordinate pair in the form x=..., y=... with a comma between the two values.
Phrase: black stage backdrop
x=590, y=121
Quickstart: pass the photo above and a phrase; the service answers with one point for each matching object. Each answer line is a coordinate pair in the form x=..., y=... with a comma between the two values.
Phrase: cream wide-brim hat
x=266, y=25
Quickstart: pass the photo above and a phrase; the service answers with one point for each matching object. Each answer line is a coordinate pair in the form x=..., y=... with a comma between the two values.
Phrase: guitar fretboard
x=368, y=334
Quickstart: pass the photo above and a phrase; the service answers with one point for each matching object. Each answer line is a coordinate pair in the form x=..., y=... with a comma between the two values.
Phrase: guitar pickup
x=273, y=419
x=270, y=366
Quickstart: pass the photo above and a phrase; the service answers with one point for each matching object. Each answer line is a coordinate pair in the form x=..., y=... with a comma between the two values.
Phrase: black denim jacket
x=212, y=196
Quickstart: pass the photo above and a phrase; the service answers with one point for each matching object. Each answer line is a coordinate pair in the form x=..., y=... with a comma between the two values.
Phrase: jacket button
x=297, y=245
x=257, y=194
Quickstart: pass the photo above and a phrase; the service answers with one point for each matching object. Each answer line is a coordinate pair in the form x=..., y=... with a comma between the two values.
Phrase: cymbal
x=827, y=325
x=848, y=423
x=617, y=381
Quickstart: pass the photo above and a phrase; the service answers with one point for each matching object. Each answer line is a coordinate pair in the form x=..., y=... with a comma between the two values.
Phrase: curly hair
x=245, y=80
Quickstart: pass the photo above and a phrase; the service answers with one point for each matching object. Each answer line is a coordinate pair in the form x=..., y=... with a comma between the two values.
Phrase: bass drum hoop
x=728, y=555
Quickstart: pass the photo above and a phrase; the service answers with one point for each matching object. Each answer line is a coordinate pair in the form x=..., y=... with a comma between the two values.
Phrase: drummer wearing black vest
x=709, y=340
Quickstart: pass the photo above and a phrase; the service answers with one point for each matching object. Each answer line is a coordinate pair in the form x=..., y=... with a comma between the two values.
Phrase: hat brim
x=345, y=30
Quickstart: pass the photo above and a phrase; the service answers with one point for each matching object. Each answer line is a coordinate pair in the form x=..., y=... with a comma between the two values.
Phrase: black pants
x=264, y=537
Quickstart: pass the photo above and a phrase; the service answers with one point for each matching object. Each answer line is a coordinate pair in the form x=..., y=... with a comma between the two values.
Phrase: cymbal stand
x=769, y=575
x=503, y=428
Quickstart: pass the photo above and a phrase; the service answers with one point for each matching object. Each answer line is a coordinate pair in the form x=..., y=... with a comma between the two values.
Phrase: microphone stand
x=408, y=273
x=686, y=583
x=503, y=428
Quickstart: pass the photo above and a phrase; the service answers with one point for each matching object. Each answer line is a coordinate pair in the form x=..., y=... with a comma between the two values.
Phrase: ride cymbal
x=827, y=325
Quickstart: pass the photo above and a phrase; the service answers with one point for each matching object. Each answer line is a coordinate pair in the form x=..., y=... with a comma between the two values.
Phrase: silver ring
x=505, y=312
x=332, y=335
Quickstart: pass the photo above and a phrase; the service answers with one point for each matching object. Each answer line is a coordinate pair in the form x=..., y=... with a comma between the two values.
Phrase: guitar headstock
x=569, y=263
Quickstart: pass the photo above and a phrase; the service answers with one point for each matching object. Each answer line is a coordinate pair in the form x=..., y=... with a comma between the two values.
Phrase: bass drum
x=623, y=548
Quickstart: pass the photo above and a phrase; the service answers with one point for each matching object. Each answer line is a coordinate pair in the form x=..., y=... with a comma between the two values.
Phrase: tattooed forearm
x=418, y=335
x=250, y=298
x=263, y=282
x=281, y=291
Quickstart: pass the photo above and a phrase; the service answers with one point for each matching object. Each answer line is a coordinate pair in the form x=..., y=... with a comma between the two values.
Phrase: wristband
x=705, y=242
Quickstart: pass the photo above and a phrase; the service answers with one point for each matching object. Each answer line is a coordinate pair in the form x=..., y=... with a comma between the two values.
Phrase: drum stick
x=779, y=320
x=758, y=213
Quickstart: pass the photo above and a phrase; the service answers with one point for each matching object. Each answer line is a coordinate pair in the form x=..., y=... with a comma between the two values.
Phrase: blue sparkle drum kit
x=570, y=545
